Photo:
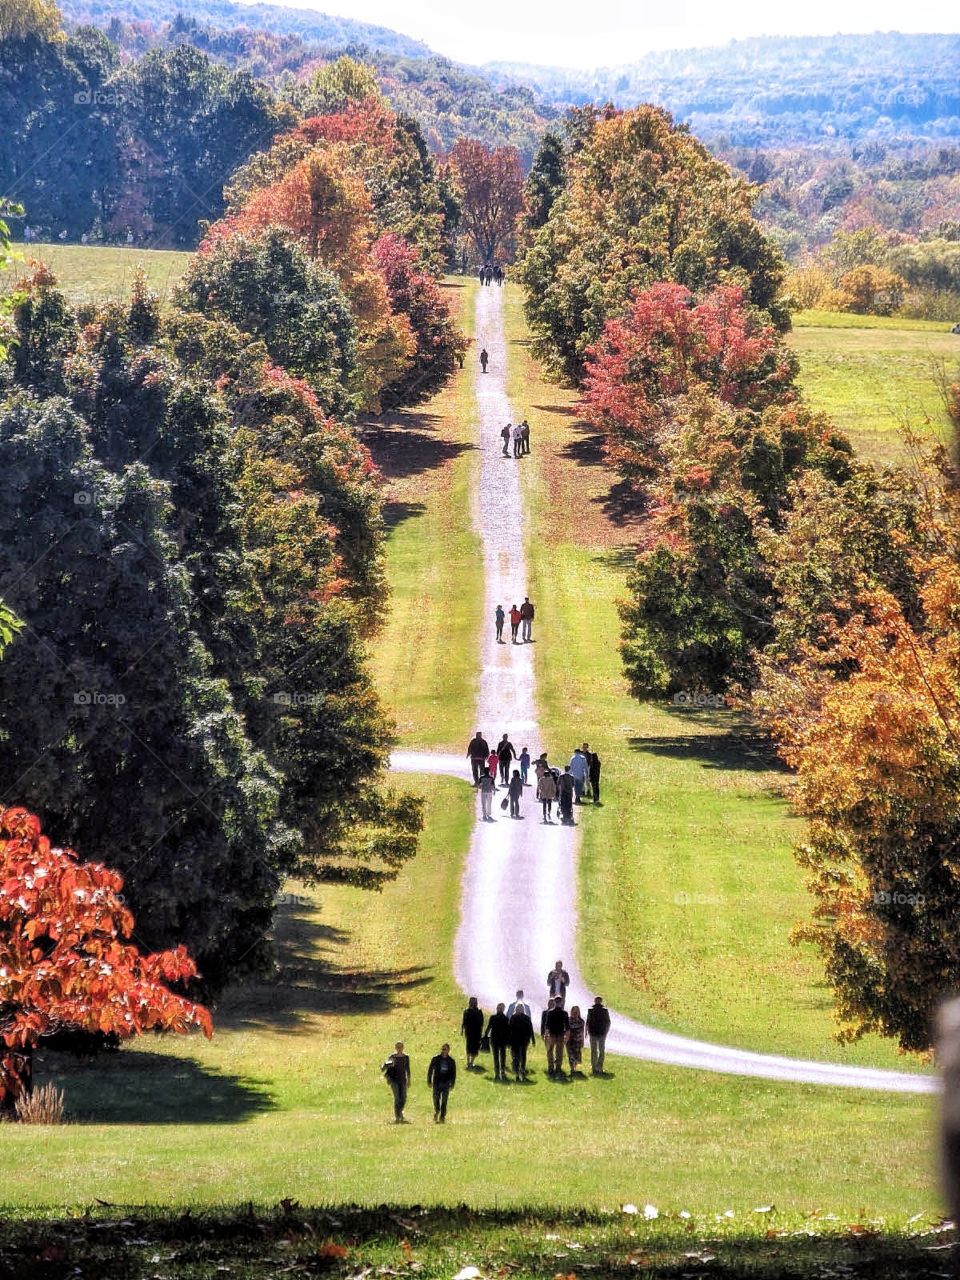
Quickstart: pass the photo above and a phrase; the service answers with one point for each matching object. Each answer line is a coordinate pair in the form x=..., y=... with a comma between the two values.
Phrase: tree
x=870, y=290
x=490, y=182
x=7, y=258
x=66, y=961
x=22, y=18
x=545, y=181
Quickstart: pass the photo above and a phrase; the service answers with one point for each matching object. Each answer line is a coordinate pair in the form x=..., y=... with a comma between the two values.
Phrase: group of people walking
x=510, y=1028
x=521, y=622
x=519, y=434
x=577, y=781
x=489, y=274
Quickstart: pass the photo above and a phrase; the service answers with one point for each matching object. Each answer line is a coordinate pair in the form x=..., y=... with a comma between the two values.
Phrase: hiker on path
x=488, y=787
x=515, y=620
x=580, y=770
x=555, y=1037
x=565, y=793
x=518, y=1004
x=575, y=1039
x=598, y=1025
x=477, y=751
x=526, y=617
x=442, y=1074
x=484, y=359
x=505, y=753
x=505, y=436
x=493, y=764
x=546, y=794
x=498, y=1032
x=396, y=1072
x=521, y=1037
x=471, y=1026
x=515, y=791
x=524, y=766
x=524, y=437
x=480, y=275
x=557, y=982
x=517, y=440
x=595, y=776
x=499, y=618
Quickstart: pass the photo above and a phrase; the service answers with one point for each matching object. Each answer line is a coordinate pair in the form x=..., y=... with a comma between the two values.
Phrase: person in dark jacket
x=471, y=1026
x=521, y=1036
x=442, y=1075
x=499, y=618
x=396, y=1072
x=477, y=751
x=505, y=753
x=484, y=359
x=565, y=794
x=557, y=982
x=527, y=613
x=594, y=776
x=543, y=1017
x=506, y=436
x=515, y=792
x=498, y=1029
x=555, y=1037
x=598, y=1024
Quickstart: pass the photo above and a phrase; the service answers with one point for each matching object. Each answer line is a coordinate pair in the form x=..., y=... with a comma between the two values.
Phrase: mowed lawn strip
x=688, y=887
x=874, y=375
x=100, y=273
x=425, y=659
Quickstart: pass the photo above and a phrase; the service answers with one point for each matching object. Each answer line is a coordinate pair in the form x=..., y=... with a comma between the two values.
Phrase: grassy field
x=874, y=375
x=99, y=272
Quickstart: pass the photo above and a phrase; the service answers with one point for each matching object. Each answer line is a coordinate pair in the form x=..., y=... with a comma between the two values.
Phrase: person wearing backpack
x=396, y=1072
x=506, y=435
x=442, y=1075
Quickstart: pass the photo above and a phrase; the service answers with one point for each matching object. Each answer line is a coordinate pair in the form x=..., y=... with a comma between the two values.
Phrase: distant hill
x=310, y=26
x=781, y=89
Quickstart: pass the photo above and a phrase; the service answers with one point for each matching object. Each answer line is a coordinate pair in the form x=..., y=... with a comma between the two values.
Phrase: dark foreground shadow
x=313, y=977
x=738, y=749
x=408, y=445
x=128, y=1086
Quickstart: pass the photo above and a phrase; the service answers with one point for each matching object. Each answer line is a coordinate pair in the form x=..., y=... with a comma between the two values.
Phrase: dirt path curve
x=520, y=882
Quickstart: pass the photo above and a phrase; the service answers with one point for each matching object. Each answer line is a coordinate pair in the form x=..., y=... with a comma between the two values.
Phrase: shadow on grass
x=408, y=445
x=395, y=513
x=129, y=1086
x=312, y=978
x=738, y=748
x=524, y=1241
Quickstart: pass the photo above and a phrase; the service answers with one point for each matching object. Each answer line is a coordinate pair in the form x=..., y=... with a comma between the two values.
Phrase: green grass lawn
x=100, y=272
x=875, y=374
x=424, y=662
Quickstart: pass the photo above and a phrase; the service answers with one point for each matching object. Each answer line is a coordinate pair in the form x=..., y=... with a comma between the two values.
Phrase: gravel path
x=518, y=911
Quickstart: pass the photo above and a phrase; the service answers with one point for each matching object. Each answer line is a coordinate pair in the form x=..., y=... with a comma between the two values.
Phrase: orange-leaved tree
x=66, y=962
x=490, y=183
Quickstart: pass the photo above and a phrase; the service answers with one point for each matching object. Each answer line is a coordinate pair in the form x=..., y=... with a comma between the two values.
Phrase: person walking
x=598, y=1025
x=515, y=619
x=484, y=359
x=515, y=791
x=498, y=1032
x=557, y=982
x=471, y=1026
x=521, y=1037
x=543, y=1030
x=396, y=1072
x=493, y=764
x=575, y=1036
x=505, y=753
x=499, y=618
x=547, y=793
x=580, y=771
x=442, y=1075
x=595, y=776
x=518, y=1004
x=565, y=792
x=506, y=435
x=555, y=1037
x=517, y=440
x=526, y=617
x=524, y=437
x=488, y=787
x=477, y=752
x=524, y=766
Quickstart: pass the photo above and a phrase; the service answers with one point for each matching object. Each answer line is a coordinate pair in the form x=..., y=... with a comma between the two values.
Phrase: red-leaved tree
x=666, y=347
x=490, y=182
x=65, y=959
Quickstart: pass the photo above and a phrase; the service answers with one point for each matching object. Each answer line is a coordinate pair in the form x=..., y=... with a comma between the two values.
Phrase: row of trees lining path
x=502, y=943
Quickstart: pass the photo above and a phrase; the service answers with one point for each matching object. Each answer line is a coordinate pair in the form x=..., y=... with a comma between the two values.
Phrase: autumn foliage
x=66, y=959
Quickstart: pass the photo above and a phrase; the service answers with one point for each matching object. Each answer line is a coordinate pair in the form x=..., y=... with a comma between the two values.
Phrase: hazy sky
x=584, y=33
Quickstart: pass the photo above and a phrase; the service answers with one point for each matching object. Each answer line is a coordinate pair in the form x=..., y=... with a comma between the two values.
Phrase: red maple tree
x=65, y=962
